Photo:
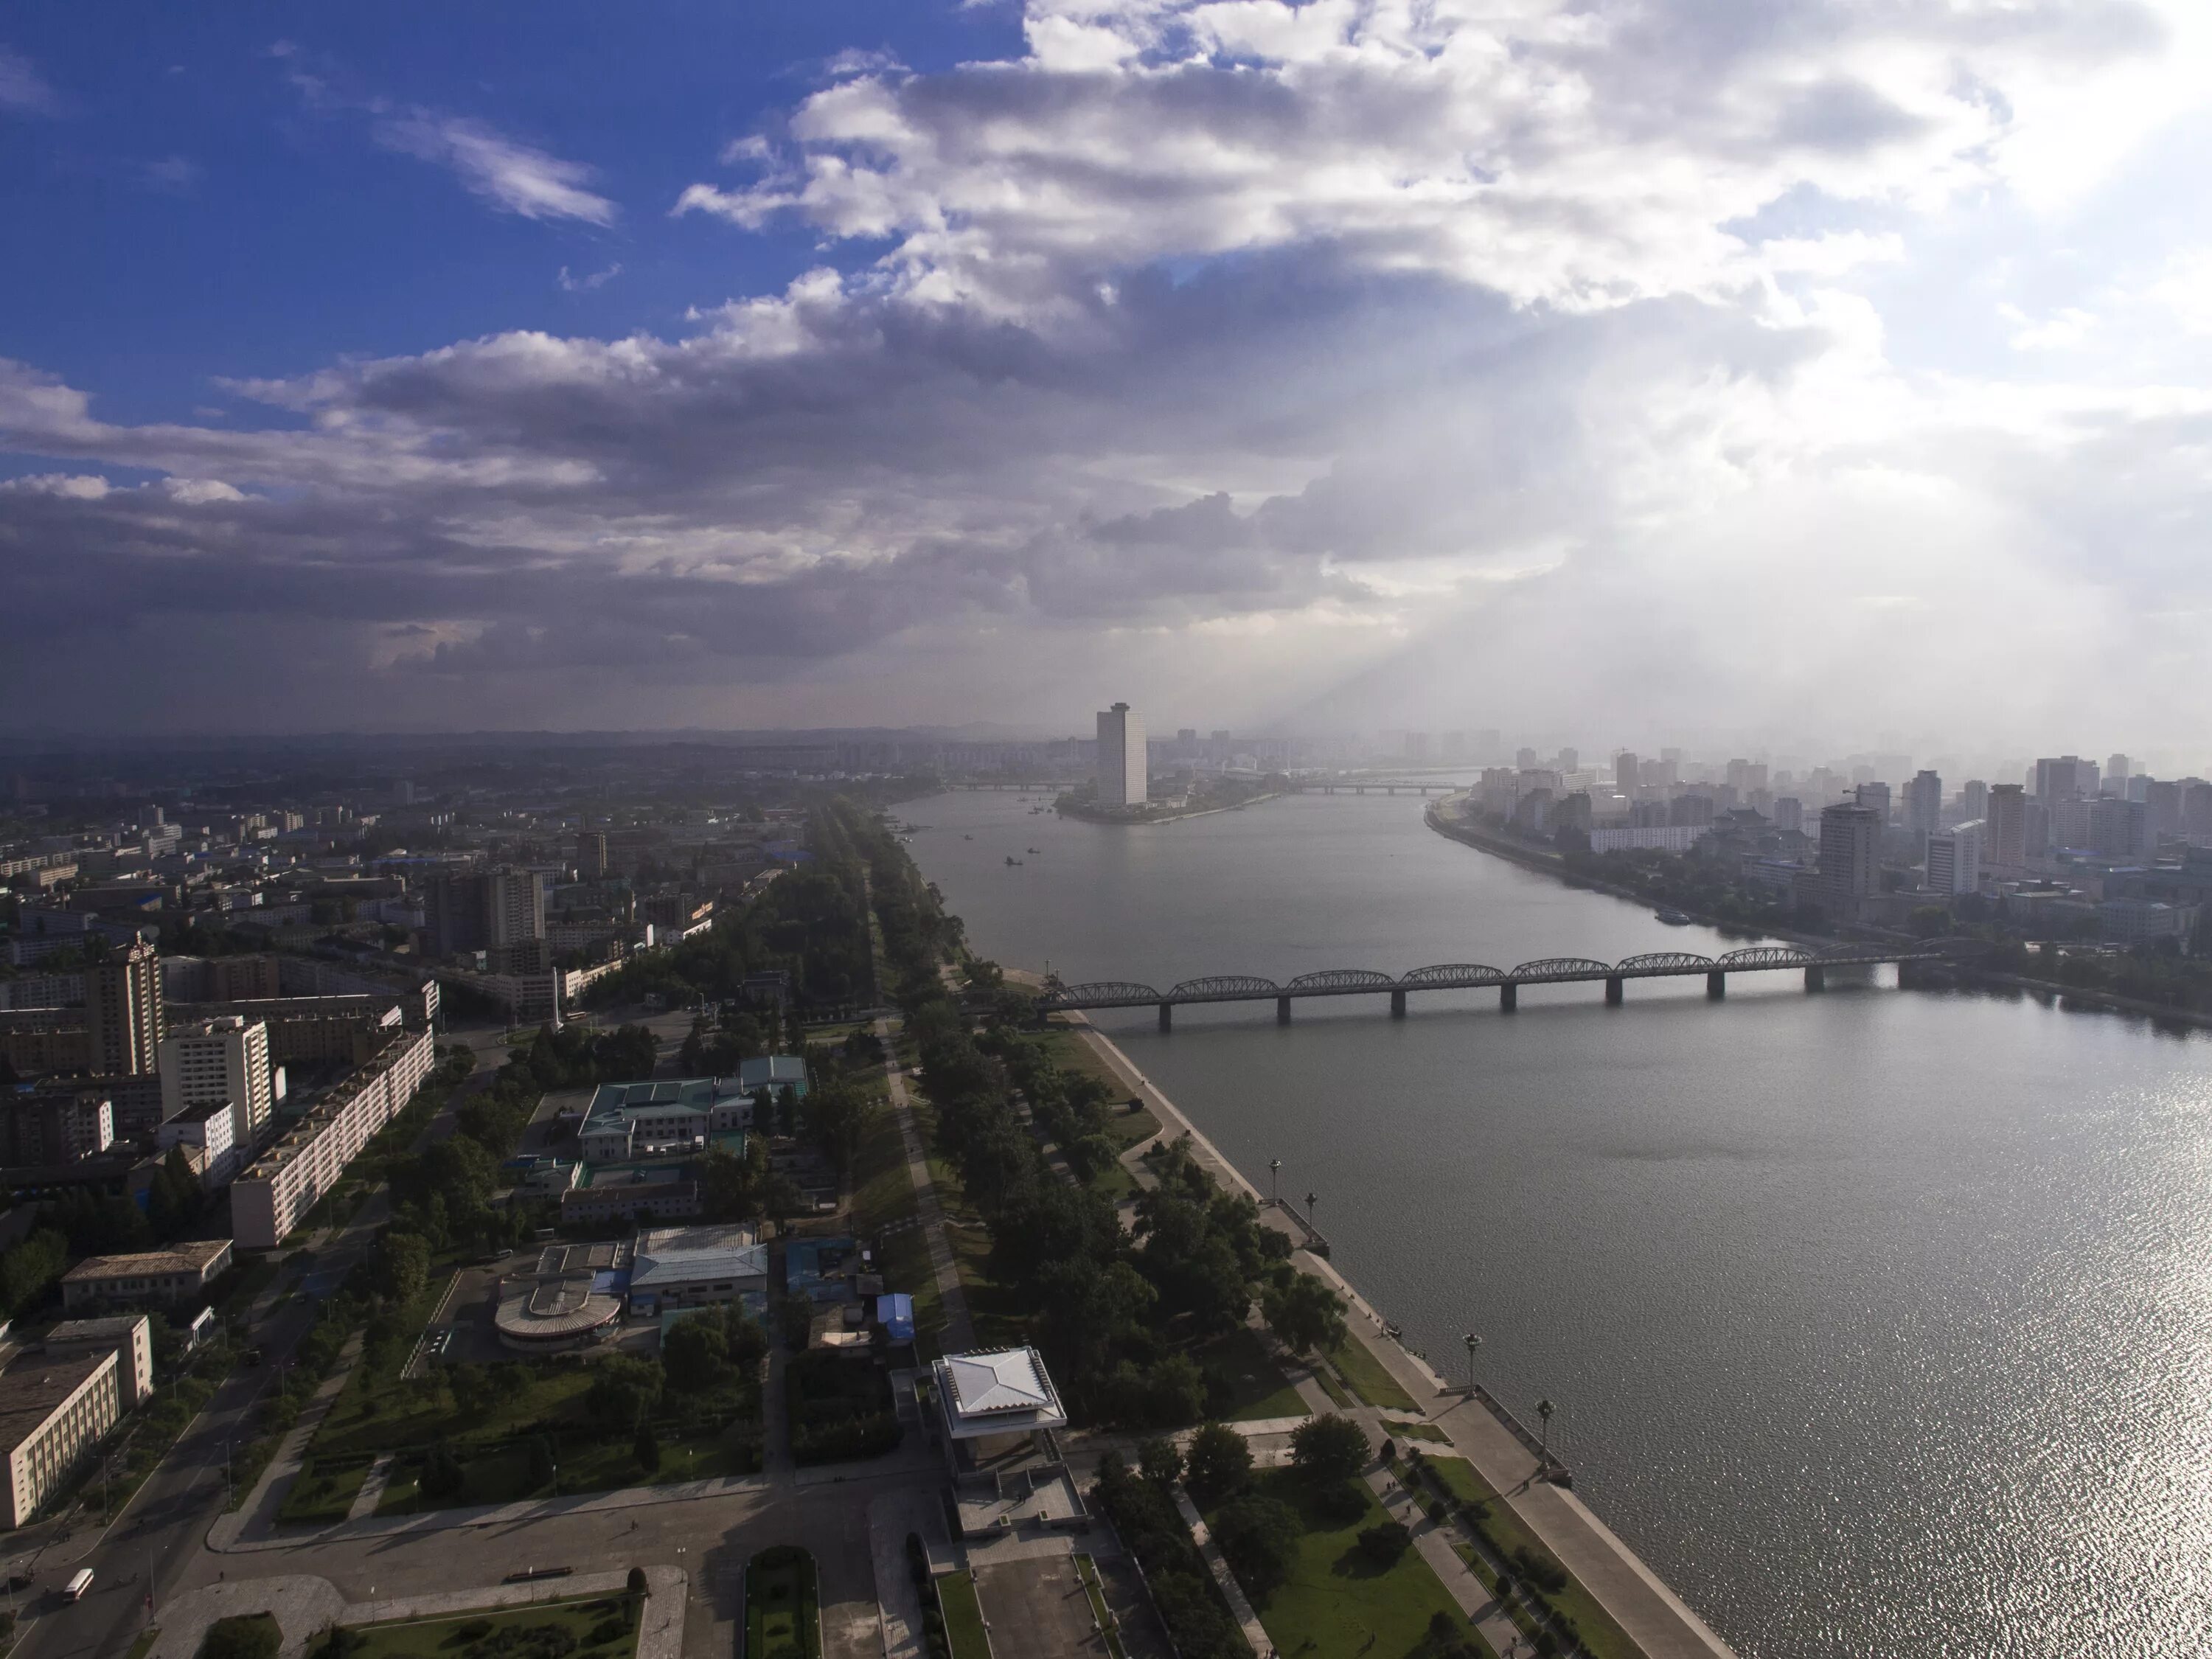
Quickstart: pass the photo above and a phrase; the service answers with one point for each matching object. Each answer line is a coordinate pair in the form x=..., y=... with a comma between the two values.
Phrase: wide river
x=1880, y=1322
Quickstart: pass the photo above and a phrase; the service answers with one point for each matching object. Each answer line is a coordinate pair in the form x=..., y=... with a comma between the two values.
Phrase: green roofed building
x=638, y=1120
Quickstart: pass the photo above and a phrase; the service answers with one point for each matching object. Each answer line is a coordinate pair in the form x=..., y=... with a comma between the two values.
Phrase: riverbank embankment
x=1962, y=973
x=1092, y=815
x=1652, y=1616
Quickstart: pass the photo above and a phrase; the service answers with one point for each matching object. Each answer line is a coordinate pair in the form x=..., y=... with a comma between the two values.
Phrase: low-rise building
x=993, y=1401
x=130, y=1337
x=53, y=1410
x=694, y=1266
x=633, y=1120
x=180, y=1274
x=306, y=1160
x=628, y=1195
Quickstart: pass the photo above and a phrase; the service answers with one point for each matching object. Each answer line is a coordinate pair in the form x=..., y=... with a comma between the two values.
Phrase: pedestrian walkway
x=372, y=1488
x=1653, y=1616
x=303, y=1606
x=1435, y=1544
x=1240, y=1606
x=959, y=1328
x=259, y=1512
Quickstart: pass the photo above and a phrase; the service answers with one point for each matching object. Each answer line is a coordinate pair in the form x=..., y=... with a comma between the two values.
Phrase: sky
x=1756, y=371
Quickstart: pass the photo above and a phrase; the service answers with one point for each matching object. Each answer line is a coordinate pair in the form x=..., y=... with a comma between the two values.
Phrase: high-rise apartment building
x=1954, y=860
x=491, y=910
x=1974, y=799
x=2116, y=773
x=1122, y=774
x=1923, y=803
x=1875, y=797
x=1624, y=773
x=224, y=1060
x=591, y=855
x=1789, y=814
x=2066, y=777
x=2119, y=828
x=2162, y=802
x=123, y=1010
x=2005, y=843
x=1850, y=845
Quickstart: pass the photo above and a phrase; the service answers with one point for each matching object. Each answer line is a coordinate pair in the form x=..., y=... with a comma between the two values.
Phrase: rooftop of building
x=997, y=1392
x=33, y=1385
x=193, y=1256
x=114, y=1328
x=200, y=1111
x=670, y=1255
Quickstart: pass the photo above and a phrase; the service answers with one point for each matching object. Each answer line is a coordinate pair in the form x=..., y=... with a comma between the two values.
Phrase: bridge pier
x=1716, y=986
x=1507, y=999
x=1282, y=1011
x=1167, y=1017
x=1397, y=1005
x=1815, y=980
x=1615, y=992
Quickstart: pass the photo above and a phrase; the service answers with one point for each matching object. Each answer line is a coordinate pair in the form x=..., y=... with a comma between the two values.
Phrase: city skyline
x=907, y=364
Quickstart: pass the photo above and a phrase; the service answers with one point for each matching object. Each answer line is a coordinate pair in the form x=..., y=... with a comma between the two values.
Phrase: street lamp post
x=1274, y=1168
x=1473, y=1342
x=1544, y=1410
x=1312, y=1200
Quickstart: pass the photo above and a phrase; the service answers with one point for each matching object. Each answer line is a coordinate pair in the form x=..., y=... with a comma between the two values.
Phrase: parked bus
x=75, y=1589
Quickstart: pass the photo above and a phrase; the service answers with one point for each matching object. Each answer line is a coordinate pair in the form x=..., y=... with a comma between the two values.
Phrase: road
x=164, y=1527
x=162, y=1531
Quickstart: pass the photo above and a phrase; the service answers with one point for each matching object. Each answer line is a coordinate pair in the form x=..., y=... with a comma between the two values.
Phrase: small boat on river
x=1674, y=918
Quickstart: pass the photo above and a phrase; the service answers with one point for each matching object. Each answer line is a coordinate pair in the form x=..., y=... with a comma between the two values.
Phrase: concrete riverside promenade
x=1653, y=1616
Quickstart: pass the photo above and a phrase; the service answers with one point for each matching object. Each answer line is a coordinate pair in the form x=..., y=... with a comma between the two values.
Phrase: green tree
x=1159, y=1459
x=695, y=1353
x=648, y=1448
x=1217, y=1462
x=623, y=1388
x=1328, y=1447
x=1259, y=1536
x=403, y=1265
x=837, y=1114
x=243, y=1636
x=472, y=1388
x=1384, y=1542
x=1305, y=1314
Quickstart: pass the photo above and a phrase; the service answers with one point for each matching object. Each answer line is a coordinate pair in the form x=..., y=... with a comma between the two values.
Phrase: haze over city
x=1788, y=374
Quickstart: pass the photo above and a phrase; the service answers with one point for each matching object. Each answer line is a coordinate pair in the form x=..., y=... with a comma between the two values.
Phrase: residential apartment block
x=307, y=1160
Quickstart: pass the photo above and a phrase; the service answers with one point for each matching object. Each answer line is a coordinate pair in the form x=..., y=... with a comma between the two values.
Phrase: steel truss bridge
x=1475, y=975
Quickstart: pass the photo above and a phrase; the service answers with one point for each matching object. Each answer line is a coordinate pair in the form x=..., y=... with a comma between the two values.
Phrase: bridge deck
x=1462, y=976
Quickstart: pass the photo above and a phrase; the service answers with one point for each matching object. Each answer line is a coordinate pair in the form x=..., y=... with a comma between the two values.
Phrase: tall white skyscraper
x=226, y=1059
x=1121, y=770
x=1851, y=839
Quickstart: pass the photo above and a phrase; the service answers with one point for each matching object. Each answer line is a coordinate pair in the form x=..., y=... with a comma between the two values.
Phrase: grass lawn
x=1338, y=1395
x=1417, y=1432
x=783, y=1617
x=883, y=1190
x=322, y=1494
x=607, y=1617
x=1257, y=1389
x=1364, y=1372
x=1087, y=1571
x=964, y=1616
x=406, y=1415
x=1335, y=1602
x=1505, y=1533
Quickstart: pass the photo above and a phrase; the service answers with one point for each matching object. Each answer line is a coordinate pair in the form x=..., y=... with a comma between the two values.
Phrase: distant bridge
x=1474, y=975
